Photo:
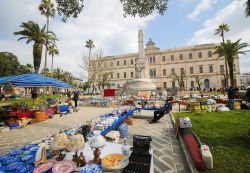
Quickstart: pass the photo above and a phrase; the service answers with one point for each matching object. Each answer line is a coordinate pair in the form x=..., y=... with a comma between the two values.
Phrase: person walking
x=76, y=97
x=248, y=94
x=231, y=94
x=161, y=112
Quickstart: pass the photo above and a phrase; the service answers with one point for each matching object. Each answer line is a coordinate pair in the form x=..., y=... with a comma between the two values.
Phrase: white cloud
x=201, y=7
x=101, y=21
x=233, y=15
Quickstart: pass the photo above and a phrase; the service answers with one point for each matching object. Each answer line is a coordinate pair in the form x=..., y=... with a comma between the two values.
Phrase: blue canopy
x=34, y=80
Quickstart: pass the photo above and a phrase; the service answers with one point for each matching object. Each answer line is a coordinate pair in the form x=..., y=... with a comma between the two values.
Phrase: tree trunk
x=37, y=55
x=52, y=65
x=46, y=48
x=231, y=73
x=226, y=79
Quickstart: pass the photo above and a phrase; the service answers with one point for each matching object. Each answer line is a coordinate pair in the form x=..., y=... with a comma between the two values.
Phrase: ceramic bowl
x=117, y=168
x=91, y=168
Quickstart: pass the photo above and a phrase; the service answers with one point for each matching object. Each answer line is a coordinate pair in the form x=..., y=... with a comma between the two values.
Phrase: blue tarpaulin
x=34, y=80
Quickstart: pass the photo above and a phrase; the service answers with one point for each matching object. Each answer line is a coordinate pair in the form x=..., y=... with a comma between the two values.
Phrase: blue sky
x=175, y=27
x=186, y=22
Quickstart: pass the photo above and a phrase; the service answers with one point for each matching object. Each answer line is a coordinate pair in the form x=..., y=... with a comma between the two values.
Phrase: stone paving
x=168, y=155
x=19, y=137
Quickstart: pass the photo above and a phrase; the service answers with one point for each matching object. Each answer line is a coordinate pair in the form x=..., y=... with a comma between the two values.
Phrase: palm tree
x=32, y=32
x=58, y=73
x=247, y=11
x=90, y=45
x=47, y=9
x=231, y=50
x=52, y=51
x=220, y=31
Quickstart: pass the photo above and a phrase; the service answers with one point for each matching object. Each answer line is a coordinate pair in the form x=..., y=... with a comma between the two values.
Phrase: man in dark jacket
x=248, y=94
x=231, y=93
x=162, y=111
x=76, y=97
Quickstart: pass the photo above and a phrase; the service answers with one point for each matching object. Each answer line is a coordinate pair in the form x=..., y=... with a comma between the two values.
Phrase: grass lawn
x=39, y=100
x=226, y=135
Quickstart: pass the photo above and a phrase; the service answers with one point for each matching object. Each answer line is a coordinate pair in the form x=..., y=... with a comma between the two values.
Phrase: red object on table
x=194, y=151
x=109, y=92
x=24, y=115
x=12, y=113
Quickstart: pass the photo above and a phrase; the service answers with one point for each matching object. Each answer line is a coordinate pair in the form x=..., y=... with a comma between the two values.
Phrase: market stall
x=19, y=114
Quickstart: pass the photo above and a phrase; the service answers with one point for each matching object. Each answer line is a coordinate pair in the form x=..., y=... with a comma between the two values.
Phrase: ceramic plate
x=13, y=166
x=26, y=147
x=9, y=160
x=44, y=167
x=35, y=148
x=65, y=166
x=92, y=168
x=28, y=157
x=15, y=152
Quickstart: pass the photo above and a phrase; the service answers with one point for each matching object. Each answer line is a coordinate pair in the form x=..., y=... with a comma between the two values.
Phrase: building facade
x=193, y=61
x=245, y=79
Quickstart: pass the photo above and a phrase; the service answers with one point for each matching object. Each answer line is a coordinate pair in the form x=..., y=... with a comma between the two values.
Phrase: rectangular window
x=118, y=75
x=199, y=54
x=172, y=71
x=111, y=64
x=234, y=67
x=181, y=56
x=164, y=72
x=190, y=55
x=182, y=70
x=221, y=68
x=111, y=76
x=172, y=57
x=124, y=75
x=132, y=74
x=164, y=84
x=117, y=63
x=153, y=60
x=173, y=84
x=201, y=69
x=124, y=62
x=211, y=69
x=163, y=59
x=209, y=54
x=152, y=73
x=132, y=62
x=192, y=84
x=191, y=70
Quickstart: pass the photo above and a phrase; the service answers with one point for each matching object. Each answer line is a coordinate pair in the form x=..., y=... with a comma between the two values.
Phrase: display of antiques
x=97, y=142
x=59, y=143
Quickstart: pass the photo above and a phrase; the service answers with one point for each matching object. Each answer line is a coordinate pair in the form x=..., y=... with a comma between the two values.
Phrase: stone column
x=141, y=61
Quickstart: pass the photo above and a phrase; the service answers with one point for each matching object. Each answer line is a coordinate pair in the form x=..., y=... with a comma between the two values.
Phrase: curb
x=188, y=158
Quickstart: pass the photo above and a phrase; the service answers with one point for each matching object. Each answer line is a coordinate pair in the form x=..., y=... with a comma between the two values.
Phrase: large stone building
x=192, y=61
x=245, y=79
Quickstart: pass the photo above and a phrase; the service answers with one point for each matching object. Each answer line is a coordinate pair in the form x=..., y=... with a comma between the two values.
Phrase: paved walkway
x=168, y=155
x=19, y=137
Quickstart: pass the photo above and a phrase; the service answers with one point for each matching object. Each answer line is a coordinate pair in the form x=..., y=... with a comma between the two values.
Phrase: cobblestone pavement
x=19, y=137
x=168, y=155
